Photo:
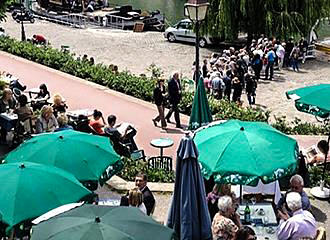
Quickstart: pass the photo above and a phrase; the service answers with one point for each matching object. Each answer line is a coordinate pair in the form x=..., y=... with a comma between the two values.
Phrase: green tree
x=3, y=6
x=278, y=18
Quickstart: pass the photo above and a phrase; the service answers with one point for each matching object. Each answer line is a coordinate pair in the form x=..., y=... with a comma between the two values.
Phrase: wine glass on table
x=253, y=201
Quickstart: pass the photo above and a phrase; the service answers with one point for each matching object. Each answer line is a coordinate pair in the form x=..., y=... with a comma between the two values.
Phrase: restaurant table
x=33, y=91
x=263, y=230
x=272, y=188
x=75, y=113
x=8, y=120
x=162, y=143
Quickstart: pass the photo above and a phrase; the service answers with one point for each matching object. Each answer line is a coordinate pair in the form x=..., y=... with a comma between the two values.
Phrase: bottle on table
x=247, y=214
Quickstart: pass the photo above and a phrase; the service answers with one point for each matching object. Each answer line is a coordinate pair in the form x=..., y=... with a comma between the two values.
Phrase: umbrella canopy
x=101, y=222
x=200, y=113
x=84, y=155
x=30, y=189
x=241, y=152
x=313, y=99
x=189, y=216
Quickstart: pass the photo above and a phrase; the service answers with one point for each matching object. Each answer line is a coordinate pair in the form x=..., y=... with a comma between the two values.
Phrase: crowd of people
x=228, y=73
x=293, y=212
x=39, y=112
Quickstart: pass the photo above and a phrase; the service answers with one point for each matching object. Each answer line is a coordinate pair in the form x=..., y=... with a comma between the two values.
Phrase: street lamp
x=22, y=24
x=196, y=11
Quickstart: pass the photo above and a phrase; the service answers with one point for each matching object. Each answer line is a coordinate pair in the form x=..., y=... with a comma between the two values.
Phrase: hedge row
x=142, y=87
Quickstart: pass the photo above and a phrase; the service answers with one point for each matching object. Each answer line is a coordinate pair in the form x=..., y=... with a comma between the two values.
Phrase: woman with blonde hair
x=135, y=199
x=47, y=121
x=59, y=105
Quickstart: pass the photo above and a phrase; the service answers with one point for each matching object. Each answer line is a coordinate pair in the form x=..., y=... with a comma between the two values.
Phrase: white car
x=183, y=31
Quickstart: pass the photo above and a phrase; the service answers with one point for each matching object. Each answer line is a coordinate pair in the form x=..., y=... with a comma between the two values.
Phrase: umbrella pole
x=240, y=194
x=325, y=160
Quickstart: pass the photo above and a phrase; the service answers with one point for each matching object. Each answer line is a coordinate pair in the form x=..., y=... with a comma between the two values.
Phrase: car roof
x=185, y=20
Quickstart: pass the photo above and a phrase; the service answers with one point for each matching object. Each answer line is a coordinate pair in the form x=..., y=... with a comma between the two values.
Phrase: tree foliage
x=3, y=7
x=278, y=18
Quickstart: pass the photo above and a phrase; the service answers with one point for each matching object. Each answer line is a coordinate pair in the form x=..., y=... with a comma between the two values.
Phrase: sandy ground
x=136, y=51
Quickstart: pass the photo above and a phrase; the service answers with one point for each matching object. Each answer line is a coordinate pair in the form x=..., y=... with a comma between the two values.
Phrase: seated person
x=148, y=197
x=82, y=124
x=213, y=197
x=59, y=105
x=246, y=233
x=62, y=121
x=297, y=185
x=300, y=225
x=223, y=227
x=7, y=101
x=319, y=157
x=43, y=93
x=127, y=135
x=38, y=39
x=47, y=121
x=96, y=123
x=135, y=199
x=23, y=111
x=41, y=98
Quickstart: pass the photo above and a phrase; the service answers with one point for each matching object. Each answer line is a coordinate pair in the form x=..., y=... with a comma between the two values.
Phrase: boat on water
x=125, y=17
x=323, y=46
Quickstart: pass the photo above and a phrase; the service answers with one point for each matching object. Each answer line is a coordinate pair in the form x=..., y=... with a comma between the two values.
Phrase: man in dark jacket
x=148, y=198
x=174, y=91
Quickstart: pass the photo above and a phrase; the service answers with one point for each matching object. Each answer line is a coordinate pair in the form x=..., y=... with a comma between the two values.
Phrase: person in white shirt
x=280, y=52
x=302, y=224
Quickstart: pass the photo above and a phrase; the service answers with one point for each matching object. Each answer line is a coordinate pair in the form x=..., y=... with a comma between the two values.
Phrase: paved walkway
x=81, y=94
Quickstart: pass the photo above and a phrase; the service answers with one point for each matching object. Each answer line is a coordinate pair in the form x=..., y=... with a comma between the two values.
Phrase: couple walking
x=174, y=94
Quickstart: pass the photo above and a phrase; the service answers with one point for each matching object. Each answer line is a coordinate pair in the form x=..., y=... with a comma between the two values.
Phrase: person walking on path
x=174, y=91
x=270, y=64
x=159, y=93
x=294, y=56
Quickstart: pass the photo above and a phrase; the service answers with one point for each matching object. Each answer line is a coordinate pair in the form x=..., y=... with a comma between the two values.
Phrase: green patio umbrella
x=200, y=112
x=101, y=222
x=84, y=155
x=241, y=152
x=29, y=190
x=313, y=99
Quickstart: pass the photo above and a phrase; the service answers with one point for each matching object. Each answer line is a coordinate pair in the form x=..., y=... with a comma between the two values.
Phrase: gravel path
x=136, y=51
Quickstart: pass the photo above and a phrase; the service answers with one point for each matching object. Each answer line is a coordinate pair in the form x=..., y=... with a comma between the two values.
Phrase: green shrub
x=133, y=167
x=142, y=87
x=315, y=175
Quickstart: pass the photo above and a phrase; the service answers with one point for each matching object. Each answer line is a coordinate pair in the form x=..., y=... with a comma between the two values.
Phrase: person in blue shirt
x=62, y=121
x=270, y=64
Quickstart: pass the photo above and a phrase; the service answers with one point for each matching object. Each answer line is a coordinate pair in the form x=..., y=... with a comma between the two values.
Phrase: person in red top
x=38, y=39
x=97, y=124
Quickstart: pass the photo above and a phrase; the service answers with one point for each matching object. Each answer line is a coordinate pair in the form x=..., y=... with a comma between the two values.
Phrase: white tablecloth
x=272, y=188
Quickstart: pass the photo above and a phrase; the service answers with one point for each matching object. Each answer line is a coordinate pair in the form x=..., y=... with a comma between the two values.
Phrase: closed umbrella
x=189, y=216
x=240, y=152
x=314, y=100
x=84, y=155
x=29, y=190
x=101, y=222
x=200, y=112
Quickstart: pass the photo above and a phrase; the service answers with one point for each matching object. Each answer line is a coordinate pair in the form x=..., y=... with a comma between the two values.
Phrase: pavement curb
x=89, y=83
x=120, y=184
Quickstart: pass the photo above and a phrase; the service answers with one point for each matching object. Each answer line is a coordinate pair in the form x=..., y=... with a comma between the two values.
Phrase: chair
x=22, y=131
x=138, y=155
x=160, y=162
x=320, y=234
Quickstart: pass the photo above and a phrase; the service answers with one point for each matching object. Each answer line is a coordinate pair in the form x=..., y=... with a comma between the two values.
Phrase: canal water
x=172, y=9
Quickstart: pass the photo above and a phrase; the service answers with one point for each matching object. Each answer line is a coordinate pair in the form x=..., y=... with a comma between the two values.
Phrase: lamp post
x=196, y=11
x=23, y=37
